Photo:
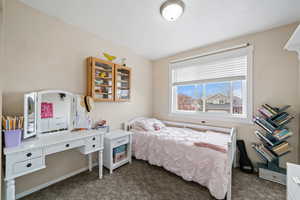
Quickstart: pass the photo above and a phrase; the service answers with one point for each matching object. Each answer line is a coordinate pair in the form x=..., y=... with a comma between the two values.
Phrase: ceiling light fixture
x=171, y=10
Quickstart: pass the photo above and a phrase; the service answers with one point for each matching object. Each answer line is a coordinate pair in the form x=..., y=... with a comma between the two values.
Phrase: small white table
x=113, y=139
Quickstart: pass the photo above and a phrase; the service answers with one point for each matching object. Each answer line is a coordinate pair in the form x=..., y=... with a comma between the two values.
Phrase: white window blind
x=222, y=67
x=214, y=85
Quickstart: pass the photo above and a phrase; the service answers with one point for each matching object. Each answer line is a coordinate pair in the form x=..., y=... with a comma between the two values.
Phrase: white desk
x=30, y=155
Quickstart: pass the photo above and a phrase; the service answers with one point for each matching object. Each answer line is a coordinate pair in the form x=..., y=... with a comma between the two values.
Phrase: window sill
x=209, y=116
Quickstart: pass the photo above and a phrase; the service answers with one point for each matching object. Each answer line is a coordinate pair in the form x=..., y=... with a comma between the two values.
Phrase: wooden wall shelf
x=122, y=83
x=108, y=81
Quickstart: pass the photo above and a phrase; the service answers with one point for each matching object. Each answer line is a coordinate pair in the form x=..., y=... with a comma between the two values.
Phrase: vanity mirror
x=52, y=111
x=30, y=114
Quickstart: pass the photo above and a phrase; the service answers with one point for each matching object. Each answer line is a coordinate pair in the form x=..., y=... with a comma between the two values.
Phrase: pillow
x=134, y=123
x=147, y=124
x=135, y=119
x=143, y=124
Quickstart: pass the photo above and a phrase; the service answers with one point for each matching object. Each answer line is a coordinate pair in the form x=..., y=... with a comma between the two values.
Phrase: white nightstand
x=293, y=186
x=117, y=149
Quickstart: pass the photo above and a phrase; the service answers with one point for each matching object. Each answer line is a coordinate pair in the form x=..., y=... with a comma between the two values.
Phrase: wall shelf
x=108, y=81
x=122, y=83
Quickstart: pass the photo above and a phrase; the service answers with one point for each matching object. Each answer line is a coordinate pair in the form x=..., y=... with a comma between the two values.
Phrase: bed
x=202, y=154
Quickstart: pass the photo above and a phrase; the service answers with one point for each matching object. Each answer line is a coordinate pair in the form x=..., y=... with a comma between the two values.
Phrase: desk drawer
x=29, y=166
x=25, y=155
x=120, y=141
x=92, y=144
x=63, y=146
x=93, y=140
x=89, y=148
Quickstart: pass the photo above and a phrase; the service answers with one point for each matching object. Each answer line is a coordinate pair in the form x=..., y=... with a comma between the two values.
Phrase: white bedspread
x=174, y=149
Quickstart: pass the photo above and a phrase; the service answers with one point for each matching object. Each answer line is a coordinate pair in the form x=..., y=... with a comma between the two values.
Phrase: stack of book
x=281, y=149
x=265, y=138
x=264, y=153
x=274, y=132
x=119, y=153
x=12, y=123
x=277, y=117
x=263, y=123
x=265, y=112
x=282, y=134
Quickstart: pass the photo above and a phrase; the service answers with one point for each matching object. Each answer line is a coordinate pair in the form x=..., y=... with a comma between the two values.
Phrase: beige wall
x=299, y=117
x=42, y=52
x=1, y=81
x=275, y=73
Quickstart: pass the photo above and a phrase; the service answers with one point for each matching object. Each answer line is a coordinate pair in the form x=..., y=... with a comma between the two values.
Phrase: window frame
x=228, y=117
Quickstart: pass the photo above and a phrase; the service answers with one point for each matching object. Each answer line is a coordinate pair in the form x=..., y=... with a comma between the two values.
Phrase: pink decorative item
x=12, y=138
x=156, y=126
x=46, y=110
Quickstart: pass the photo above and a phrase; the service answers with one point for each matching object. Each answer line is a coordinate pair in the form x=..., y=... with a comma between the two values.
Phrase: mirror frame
x=70, y=120
x=26, y=113
x=37, y=100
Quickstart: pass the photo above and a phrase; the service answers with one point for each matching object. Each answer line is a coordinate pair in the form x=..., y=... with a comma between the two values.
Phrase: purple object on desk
x=12, y=138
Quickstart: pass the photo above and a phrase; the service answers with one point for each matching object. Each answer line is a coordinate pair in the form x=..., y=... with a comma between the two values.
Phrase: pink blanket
x=211, y=146
x=175, y=150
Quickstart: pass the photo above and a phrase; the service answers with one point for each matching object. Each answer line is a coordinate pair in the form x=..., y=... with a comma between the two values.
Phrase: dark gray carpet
x=141, y=181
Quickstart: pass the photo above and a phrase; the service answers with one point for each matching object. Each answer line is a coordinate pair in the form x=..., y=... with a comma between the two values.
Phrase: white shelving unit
x=113, y=141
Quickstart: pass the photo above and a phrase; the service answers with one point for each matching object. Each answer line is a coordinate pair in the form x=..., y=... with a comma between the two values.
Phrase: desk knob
x=94, y=146
x=29, y=165
x=29, y=154
x=94, y=138
x=67, y=145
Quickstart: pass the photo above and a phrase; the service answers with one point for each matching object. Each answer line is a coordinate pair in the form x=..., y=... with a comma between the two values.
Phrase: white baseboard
x=42, y=186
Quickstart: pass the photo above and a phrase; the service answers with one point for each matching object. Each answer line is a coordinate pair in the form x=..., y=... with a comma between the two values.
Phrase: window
x=216, y=86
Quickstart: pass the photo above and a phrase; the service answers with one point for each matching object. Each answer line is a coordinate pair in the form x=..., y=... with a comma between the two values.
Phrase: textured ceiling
x=138, y=25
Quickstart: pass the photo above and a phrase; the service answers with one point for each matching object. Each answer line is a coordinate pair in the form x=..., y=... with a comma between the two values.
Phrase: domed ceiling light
x=171, y=10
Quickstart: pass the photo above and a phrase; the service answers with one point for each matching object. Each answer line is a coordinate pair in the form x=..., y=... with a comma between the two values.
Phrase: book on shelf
x=264, y=124
x=284, y=121
x=283, y=108
x=267, y=152
x=118, y=157
x=275, y=111
x=259, y=153
x=279, y=117
x=273, y=135
x=270, y=109
x=12, y=123
x=274, y=121
x=264, y=152
x=119, y=153
x=282, y=134
x=281, y=149
x=264, y=138
x=266, y=113
x=267, y=124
